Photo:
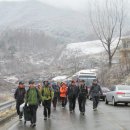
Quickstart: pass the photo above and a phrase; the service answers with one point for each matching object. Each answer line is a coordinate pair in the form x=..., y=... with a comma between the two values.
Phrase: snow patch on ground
x=11, y=79
x=91, y=47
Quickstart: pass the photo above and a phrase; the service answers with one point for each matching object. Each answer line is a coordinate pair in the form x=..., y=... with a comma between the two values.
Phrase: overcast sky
x=71, y=4
x=79, y=5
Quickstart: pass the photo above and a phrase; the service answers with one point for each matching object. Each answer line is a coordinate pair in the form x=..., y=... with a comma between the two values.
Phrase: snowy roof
x=87, y=71
x=59, y=78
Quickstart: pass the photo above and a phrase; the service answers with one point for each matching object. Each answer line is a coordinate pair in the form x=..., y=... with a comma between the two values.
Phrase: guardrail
x=6, y=105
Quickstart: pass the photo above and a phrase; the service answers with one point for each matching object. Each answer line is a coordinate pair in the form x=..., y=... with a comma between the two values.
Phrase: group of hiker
x=52, y=93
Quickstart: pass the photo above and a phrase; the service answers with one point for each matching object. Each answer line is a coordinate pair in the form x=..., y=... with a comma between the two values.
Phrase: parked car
x=104, y=90
x=118, y=94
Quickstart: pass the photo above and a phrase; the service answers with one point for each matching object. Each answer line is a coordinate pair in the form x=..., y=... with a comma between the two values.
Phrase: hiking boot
x=83, y=113
x=49, y=116
x=45, y=118
x=20, y=118
x=33, y=125
x=71, y=111
x=95, y=109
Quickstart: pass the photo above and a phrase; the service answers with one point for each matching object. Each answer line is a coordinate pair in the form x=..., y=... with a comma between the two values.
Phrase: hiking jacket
x=95, y=90
x=19, y=94
x=32, y=96
x=82, y=91
x=63, y=90
x=72, y=91
x=47, y=93
x=56, y=90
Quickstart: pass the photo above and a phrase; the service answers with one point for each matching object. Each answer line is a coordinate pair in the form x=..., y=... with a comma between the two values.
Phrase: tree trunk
x=109, y=55
x=110, y=61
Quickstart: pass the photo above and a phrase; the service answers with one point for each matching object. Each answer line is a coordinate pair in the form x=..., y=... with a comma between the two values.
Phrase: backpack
x=82, y=91
x=38, y=97
x=43, y=94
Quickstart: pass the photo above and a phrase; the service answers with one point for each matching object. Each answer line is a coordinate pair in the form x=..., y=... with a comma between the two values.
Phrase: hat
x=31, y=82
x=72, y=81
x=45, y=81
x=21, y=82
x=82, y=80
x=95, y=80
x=62, y=83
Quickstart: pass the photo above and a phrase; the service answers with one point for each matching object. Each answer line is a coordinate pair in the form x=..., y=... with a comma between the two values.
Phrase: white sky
x=71, y=4
x=79, y=5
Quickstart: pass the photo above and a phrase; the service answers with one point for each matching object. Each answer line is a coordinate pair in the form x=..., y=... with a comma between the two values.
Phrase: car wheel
x=106, y=102
x=126, y=104
x=113, y=102
x=103, y=99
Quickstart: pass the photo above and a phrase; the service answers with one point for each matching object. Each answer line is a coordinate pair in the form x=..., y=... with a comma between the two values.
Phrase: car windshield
x=123, y=87
x=85, y=76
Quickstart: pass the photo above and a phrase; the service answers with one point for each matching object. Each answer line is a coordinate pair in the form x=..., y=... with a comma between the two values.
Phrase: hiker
x=95, y=92
x=82, y=96
x=47, y=96
x=63, y=94
x=19, y=95
x=32, y=100
x=59, y=99
x=72, y=95
x=39, y=87
x=56, y=94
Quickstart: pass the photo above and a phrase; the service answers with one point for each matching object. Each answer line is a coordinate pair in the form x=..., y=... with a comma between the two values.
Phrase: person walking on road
x=63, y=94
x=82, y=96
x=56, y=94
x=39, y=87
x=19, y=95
x=95, y=92
x=47, y=96
x=72, y=95
x=32, y=100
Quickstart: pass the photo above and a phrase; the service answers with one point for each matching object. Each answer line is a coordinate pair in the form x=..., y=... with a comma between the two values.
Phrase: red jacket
x=63, y=90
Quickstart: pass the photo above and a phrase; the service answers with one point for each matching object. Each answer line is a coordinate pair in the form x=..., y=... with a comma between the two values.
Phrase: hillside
x=65, y=25
x=84, y=48
x=38, y=41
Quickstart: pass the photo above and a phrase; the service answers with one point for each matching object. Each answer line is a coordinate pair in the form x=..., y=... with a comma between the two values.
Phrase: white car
x=118, y=94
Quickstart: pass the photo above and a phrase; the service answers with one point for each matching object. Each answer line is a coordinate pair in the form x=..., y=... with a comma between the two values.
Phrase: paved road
x=106, y=118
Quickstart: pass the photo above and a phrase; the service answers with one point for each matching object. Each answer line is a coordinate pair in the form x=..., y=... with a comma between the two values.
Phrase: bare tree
x=107, y=21
x=71, y=60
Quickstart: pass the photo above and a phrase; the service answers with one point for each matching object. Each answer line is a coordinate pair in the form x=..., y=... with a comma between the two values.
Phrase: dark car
x=104, y=90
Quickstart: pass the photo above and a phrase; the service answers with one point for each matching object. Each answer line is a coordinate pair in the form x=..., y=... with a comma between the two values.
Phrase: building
x=125, y=50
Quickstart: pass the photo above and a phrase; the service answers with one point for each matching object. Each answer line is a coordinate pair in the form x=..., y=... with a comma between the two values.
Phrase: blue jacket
x=56, y=90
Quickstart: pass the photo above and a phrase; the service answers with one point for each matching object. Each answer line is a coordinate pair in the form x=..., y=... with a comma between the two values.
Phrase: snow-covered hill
x=65, y=25
x=84, y=48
